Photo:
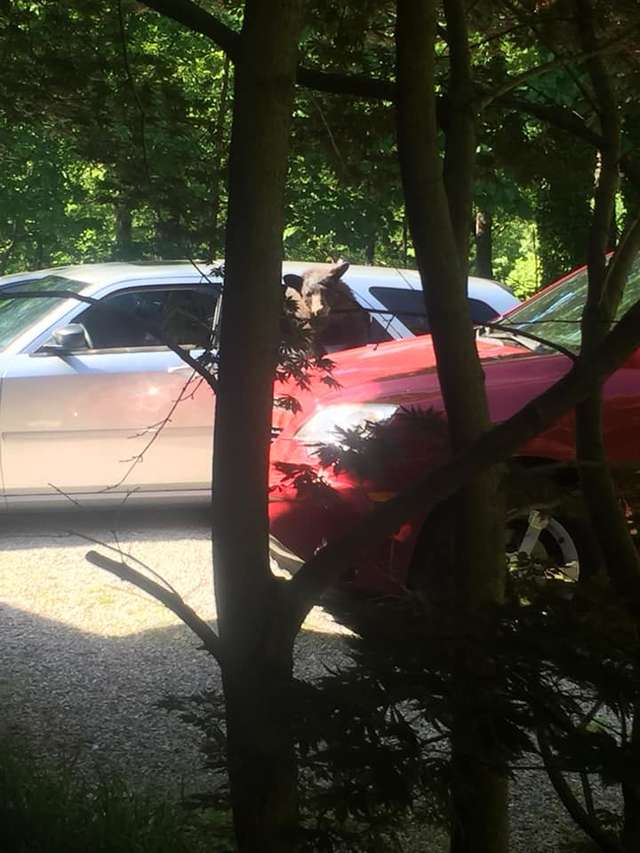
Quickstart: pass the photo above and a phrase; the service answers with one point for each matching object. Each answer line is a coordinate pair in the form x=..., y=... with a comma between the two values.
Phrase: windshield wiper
x=505, y=331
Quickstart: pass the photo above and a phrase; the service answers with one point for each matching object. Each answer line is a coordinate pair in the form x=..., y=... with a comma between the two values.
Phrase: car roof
x=113, y=271
x=359, y=277
x=110, y=271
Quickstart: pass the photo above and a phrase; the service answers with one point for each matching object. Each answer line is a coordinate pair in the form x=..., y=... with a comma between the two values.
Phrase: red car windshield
x=556, y=313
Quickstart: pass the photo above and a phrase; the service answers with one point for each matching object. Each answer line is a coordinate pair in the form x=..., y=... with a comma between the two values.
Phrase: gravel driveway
x=86, y=657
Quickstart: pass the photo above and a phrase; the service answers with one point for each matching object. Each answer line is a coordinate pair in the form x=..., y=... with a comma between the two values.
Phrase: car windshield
x=555, y=314
x=17, y=314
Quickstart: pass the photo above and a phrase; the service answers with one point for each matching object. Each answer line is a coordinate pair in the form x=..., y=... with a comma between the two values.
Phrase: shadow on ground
x=41, y=529
x=78, y=696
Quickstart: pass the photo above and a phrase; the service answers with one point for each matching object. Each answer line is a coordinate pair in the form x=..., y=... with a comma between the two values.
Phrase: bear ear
x=293, y=280
x=339, y=268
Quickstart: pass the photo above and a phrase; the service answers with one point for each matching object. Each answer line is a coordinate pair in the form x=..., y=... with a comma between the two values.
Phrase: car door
x=123, y=413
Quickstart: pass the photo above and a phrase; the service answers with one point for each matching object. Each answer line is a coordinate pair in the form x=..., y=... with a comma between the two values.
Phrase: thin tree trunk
x=620, y=554
x=261, y=760
x=371, y=250
x=218, y=156
x=484, y=243
x=439, y=213
x=5, y=259
x=256, y=641
x=124, y=238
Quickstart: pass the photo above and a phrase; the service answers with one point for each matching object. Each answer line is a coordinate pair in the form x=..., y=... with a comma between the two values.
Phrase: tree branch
x=539, y=32
x=610, y=149
x=603, y=839
x=168, y=598
x=496, y=445
x=569, y=121
x=197, y=20
x=356, y=85
x=620, y=265
x=561, y=61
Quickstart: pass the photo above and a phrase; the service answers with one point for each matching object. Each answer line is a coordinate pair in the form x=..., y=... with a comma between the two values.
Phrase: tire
x=547, y=533
x=547, y=526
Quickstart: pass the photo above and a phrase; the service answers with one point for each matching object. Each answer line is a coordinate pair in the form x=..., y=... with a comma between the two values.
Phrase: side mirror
x=67, y=339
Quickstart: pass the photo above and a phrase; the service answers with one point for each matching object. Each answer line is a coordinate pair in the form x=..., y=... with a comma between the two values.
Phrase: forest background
x=115, y=124
x=116, y=128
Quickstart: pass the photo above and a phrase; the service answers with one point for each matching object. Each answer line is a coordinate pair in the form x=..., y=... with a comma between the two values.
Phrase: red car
x=396, y=384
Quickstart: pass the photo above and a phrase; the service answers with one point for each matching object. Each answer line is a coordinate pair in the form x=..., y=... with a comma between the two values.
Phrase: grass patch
x=46, y=809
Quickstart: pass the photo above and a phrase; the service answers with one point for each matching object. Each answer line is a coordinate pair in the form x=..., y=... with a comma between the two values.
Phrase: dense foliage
x=114, y=129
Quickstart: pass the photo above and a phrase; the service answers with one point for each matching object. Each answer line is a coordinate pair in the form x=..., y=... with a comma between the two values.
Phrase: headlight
x=321, y=428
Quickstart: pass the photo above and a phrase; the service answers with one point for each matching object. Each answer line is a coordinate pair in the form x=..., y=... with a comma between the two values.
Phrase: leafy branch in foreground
x=372, y=737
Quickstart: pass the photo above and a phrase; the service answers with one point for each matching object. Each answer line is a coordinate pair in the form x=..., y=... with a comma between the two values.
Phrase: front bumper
x=299, y=527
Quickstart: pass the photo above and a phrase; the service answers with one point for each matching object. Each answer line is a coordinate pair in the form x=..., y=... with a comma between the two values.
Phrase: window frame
x=116, y=288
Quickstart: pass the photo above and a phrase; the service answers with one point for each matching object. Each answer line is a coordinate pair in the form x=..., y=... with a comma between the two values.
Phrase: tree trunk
x=371, y=249
x=169, y=234
x=605, y=288
x=484, y=244
x=261, y=760
x=218, y=158
x=439, y=213
x=255, y=641
x=124, y=233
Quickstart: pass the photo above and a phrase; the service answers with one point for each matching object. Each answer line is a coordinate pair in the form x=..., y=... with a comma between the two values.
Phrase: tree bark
x=124, y=231
x=605, y=288
x=257, y=648
x=484, y=243
x=217, y=172
x=439, y=212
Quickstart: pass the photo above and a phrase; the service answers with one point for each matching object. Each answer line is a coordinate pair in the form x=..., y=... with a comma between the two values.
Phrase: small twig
x=588, y=795
x=590, y=715
x=171, y=600
x=138, y=458
x=201, y=272
x=66, y=495
x=332, y=138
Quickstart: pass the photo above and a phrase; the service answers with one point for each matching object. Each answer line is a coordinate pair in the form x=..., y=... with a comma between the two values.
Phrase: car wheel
x=546, y=532
x=547, y=527
x=544, y=543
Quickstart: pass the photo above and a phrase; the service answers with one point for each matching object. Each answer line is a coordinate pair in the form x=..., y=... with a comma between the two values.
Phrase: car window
x=379, y=329
x=17, y=314
x=408, y=307
x=481, y=312
x=556, y=313
x=185, y=315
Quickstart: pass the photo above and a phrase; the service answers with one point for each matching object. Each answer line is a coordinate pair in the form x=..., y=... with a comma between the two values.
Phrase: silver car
x=87, y=399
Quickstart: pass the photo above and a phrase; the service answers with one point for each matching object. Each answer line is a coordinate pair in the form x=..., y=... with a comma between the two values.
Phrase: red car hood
x=384, y=370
